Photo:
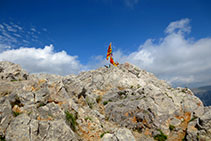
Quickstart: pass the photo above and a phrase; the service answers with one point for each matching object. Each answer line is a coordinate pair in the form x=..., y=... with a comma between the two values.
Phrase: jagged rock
x=124, y=102
x=18, y=129
x=5, y=115
x=204, y=125
x=119, y=135
x=11, y=71
x=58, y=130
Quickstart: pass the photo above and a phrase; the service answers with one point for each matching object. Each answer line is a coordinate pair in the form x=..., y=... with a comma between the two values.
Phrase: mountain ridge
x=109, y=104
x=204, y=93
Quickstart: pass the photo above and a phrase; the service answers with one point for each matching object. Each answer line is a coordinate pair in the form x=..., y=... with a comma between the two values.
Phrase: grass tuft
x=71, y=119
x=99, y=99
x=16, y=113
x=2, y=138
x=171, y=127
x=103, y=134
x=161, y=136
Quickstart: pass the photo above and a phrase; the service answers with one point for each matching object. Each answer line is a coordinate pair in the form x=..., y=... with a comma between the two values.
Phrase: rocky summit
x=123, y=103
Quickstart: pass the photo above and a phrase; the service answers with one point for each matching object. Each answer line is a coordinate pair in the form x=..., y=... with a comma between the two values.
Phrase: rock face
x=121, y=103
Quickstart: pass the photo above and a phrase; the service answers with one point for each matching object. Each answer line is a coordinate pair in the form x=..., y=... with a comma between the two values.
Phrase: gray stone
x=124, y=135
x=11, y=71
x=5, y=115
x=109, y=137
x=59, y=131
x=18, y=129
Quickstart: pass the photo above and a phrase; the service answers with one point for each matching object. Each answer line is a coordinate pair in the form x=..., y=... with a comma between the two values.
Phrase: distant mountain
x=204, y=93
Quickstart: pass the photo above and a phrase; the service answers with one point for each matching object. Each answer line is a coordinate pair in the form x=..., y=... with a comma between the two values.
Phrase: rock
x=18, y=129
x=118, y=103
x=5, y=115
x=124, y=135
x=12, y=72
x=59, y=131
x=119, y=135
x=204, y=124
x=109, y=137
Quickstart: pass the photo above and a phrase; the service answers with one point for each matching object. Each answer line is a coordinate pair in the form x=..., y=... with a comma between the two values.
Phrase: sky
x=170, y=38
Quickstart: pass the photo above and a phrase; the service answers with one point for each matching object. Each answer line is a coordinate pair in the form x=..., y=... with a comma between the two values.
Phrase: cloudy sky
x=172, y=39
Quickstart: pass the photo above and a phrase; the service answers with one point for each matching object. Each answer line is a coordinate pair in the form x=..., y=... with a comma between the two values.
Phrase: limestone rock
x=119, y=135
x=116, y=103
x=11, y=71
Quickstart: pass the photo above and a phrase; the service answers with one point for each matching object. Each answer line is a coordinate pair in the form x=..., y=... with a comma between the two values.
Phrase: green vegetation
x=171, y=127
x=88, y=118
x=138, y=86
x=90, y=104
x=16, y=113
x=13, y=80
x=161, y=136
x=103, y=134
x=71, y=119
x=99, y=99
x=2, y=138
x=41, y=104
x=105, y=102
x=131, y=87
x=193, y=119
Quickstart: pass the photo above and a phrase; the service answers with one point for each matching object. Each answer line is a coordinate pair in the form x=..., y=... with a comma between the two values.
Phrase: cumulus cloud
x=180, y=60
x=36, y=60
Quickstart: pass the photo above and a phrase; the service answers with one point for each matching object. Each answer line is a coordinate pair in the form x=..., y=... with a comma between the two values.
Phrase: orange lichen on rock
x=126, y=114
x=183, y=126
x=147, y=132
x=17, y=109
x=133, y=119
x=44, y=119
x=88, y=132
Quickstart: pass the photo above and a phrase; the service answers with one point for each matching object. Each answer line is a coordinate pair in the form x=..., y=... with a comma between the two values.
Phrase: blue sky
x=80, y=31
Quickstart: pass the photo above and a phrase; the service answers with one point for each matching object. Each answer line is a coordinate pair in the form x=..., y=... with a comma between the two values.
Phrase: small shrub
x=105, y=102
x=71, y=120
x=41, y=104
x=2, y=138
x=103, y=134
x=193, y=119
x=171, y=127
x=99, y=99
x=138, y=86
x=131, y=87
x=161, y=136
x=88, y=118
x=90, y=104
x=14, y=80
x=16, y=113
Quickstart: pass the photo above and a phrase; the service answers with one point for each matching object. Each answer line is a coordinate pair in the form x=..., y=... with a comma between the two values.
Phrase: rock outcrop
x=117, y=103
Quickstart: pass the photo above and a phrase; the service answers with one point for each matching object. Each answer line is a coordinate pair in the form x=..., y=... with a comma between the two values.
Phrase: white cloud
x=182, y=26
x=43, y=60
x=15, y=36
x=176, y=58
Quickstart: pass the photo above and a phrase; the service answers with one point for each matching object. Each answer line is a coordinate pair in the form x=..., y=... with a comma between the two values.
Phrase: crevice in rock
x=49, y=125
x=83, y=93
x=7, y=127
x=38, y=129
x=16, y=102
x=29, y=129
x=169, y=97
x=34, y=97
